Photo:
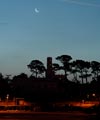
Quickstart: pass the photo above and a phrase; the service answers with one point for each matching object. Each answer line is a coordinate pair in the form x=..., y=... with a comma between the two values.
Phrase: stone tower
x=49, y=72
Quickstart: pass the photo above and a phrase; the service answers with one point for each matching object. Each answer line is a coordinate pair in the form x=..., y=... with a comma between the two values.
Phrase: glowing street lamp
x=7, y=97
x=93, y=95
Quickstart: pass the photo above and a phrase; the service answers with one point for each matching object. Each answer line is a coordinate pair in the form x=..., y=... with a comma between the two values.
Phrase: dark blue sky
x=59, y=27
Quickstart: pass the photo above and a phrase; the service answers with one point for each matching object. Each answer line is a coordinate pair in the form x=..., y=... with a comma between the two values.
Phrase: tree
x=65, y=60
x=4, y=86
x=55, y=67
x=8, y=79
x=82, y=67
x=19, y=85
x=95, y=68
x=36, y=67
x=75, y=71
x=79, y=65
x=1, y=76
x=86, y=70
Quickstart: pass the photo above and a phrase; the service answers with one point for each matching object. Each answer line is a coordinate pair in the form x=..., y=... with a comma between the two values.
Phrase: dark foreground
x=46, y=116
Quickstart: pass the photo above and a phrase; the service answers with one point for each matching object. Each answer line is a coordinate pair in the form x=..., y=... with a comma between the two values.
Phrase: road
x=47, y=116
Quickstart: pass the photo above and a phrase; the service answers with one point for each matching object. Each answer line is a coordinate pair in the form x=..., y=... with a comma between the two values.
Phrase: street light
x=93, y=95
x=7, y=97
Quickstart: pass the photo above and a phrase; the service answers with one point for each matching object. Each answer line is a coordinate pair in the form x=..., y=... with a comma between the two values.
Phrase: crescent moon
x=36, y=10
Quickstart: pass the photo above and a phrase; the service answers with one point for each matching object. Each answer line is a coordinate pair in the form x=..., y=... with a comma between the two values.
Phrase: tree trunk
x=82, y=76
x=86, y=77
x=66, y=75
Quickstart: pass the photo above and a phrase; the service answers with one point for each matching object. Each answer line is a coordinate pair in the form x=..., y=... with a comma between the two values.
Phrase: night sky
x=36, y=29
